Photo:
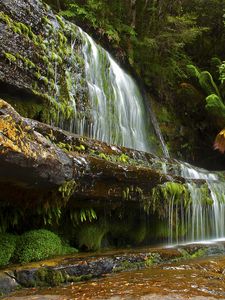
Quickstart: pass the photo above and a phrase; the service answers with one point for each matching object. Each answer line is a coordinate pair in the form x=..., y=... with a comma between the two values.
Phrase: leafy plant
x=83, y=215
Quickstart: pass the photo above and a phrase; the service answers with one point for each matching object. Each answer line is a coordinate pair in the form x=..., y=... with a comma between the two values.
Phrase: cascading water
x=117, y=108
x=115, y=111
x=203, y=217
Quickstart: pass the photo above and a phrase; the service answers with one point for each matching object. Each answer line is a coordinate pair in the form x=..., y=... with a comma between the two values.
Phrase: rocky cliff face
x=40, y=57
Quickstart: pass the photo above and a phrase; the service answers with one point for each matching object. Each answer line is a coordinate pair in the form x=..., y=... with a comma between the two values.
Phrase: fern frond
x=215, y=105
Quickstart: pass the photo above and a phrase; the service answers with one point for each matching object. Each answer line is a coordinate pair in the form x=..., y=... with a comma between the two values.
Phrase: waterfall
x=114, y=110
x=117, y=108
x=203, y=217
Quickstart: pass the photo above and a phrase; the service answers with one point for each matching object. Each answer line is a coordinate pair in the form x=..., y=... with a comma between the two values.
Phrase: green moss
x=5, y=18
x=27, y=62
x=103, y=156
x=37, y=75
x=90, y=236
x=49, y=277
x=44, y=79
x=123, y=158
x=37, y=245
x=45, y=20
x=10, y=57
x=194, y=254
x=129, y=265
x=153, y=258
x=80, y=148
x=61, y=22
x=7, y=247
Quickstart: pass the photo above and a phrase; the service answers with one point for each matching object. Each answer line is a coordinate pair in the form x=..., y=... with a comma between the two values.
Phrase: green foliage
x=49, y=277
x=80, y=148
x=193, y=71
x=215, y=105
x=83, y=215
x=167, y=193
x=207, y=83
x=37, y=245
x=153, y=258
x=67, y=189
x=90, y=236
x=123, y=158
x=214, y=102
x=7, y=246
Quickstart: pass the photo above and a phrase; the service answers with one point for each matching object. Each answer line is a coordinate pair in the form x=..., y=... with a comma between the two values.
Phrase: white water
x=117, y=107
x=204, y=217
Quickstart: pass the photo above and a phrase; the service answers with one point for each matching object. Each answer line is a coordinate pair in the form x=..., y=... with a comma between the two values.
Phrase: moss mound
x=7, y=247
x=36, y=245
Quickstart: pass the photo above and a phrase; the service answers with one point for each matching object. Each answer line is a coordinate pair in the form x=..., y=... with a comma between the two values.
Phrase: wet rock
x=39, y=160
x=34, y=55
x=7, y=282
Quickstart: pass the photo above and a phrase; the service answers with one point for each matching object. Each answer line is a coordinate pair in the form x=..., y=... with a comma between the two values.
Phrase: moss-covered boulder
x=37, y=245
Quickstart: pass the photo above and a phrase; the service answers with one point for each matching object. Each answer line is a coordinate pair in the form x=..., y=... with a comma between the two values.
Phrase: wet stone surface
x=191, y=279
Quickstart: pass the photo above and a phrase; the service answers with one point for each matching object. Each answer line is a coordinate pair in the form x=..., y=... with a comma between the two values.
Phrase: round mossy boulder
x=36, y=245
x=7, y=247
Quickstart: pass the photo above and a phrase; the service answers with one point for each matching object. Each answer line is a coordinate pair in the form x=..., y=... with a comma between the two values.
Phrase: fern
x=215, y=105
x=82, y=216
x=208, y=84
x=193, y=71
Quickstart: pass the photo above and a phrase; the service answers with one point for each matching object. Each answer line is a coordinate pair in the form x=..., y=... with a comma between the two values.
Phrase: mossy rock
x=7, y=246
x=37, y=245
x=49, y=277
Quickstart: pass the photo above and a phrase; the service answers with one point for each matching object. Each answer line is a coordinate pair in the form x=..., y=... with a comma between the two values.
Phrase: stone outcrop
x=40, y=57
x=38, y=160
